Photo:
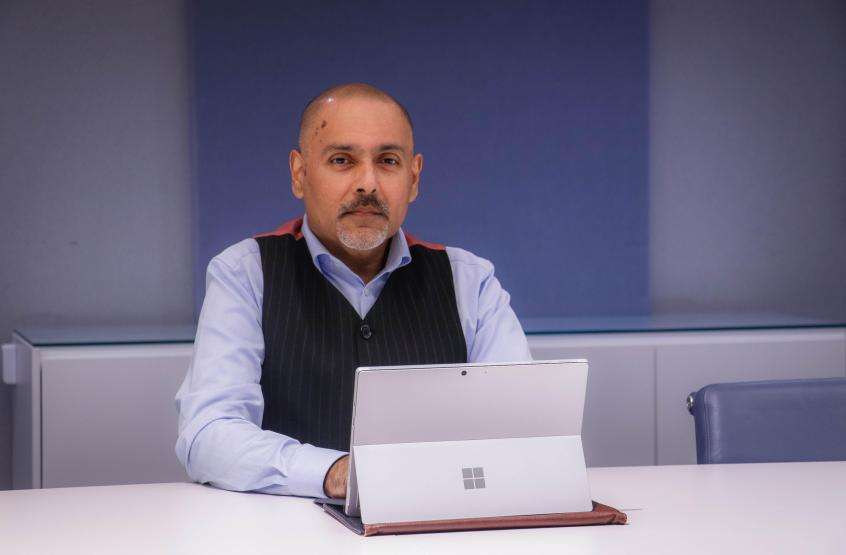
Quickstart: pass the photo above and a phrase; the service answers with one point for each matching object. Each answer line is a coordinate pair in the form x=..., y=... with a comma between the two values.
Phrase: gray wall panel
x=748, y=156
x=94, y=167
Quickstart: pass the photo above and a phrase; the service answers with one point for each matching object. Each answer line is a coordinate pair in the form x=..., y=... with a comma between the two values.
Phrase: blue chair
x=770, y=421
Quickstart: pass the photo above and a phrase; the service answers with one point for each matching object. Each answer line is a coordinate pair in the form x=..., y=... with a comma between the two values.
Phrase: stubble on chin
x=361, y=238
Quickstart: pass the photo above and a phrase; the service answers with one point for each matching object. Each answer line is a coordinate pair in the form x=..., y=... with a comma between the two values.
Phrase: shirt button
x=366, y=332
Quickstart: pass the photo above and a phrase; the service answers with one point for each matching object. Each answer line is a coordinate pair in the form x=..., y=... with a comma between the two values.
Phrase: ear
x=416, y=168
x=297, y=164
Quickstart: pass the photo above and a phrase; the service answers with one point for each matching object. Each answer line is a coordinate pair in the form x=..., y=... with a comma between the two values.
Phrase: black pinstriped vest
x=314, y=339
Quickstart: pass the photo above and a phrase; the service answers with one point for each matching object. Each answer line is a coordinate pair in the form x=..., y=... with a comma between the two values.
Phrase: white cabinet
x=96, y=414
x=635, y=411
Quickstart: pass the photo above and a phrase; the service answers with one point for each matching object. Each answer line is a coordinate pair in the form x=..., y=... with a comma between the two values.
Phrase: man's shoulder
x=237, y=270
x=234, y=256
x=465, y=259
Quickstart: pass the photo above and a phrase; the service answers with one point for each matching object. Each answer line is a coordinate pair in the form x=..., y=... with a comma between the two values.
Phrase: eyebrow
x=391, y=146
x=339, y=147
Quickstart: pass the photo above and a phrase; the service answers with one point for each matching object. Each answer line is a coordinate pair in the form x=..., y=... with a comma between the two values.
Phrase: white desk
x=719, y=509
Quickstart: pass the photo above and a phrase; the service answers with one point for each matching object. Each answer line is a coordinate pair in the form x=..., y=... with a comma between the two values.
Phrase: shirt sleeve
x=220, y=403
x=491, y=329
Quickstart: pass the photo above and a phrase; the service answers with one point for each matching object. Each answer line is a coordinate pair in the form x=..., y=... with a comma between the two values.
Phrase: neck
x=365, y=264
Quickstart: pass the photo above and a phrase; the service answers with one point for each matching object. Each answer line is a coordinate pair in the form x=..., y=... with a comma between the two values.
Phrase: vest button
x=366, y=332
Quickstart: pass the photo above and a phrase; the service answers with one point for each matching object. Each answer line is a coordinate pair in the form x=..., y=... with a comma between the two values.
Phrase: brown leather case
x=601, y=514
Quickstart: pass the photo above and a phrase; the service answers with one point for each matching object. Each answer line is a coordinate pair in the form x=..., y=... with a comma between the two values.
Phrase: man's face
x=356, y=173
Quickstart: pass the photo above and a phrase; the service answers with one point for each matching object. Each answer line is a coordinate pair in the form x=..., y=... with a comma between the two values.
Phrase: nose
x=368, y=181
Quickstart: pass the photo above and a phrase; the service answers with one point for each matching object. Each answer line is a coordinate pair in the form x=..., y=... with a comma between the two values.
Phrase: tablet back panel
x=474, y=401
x=461, y=407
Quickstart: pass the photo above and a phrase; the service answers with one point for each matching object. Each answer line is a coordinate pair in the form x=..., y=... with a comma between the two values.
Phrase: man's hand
x=335, y=482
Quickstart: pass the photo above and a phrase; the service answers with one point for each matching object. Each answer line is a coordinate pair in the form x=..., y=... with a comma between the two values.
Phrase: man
x=288, y=316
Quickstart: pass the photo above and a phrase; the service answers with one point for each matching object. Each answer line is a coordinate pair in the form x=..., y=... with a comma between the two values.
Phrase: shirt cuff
x=308, y=470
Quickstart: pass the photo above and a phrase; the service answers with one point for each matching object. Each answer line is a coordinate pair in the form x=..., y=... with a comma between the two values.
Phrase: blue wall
x=531, y=116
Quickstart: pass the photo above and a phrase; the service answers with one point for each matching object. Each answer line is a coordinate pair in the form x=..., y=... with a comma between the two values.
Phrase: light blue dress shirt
x=220, y=402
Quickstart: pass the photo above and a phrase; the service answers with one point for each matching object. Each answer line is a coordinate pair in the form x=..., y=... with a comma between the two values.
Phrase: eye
x=390, y=161
x=339, y=160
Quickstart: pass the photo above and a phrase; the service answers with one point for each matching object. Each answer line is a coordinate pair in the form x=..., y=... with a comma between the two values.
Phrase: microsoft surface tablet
x=469, y=440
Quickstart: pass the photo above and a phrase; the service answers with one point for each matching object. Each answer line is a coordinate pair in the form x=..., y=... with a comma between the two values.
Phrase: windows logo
x=474, y=478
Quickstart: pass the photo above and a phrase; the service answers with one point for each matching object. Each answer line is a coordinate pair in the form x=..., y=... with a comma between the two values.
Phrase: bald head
x=309, y=118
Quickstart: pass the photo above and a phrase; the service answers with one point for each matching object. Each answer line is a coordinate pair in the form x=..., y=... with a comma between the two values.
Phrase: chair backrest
x=771, y=421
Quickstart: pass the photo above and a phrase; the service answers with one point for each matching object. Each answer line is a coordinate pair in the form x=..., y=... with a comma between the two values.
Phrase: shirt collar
x=398, y=253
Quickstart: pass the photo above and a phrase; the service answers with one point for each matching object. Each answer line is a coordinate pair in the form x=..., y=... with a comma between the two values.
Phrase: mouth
x=363, y=212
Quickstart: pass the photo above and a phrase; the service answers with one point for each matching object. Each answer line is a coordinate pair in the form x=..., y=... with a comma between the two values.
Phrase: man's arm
x=220, y=402
x=491, y=328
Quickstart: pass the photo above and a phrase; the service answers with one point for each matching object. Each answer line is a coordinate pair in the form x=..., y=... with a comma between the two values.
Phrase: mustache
x=363, y=201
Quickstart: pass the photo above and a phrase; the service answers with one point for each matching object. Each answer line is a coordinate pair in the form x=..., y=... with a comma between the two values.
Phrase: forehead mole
x=322, y=125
